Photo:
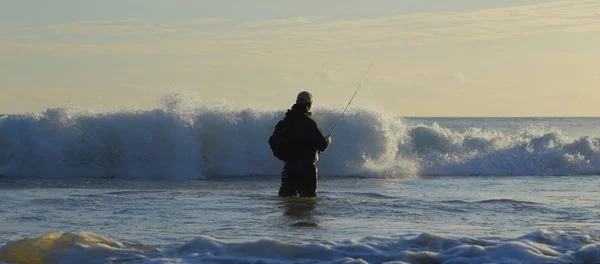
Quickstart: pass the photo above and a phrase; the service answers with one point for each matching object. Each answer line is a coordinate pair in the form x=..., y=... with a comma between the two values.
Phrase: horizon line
x=432, y=117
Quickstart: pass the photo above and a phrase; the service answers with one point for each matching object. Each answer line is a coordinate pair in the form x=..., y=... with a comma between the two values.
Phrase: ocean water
x=198, y=185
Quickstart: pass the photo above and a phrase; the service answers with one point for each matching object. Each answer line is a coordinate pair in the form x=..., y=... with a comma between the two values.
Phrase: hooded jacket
x=308, y=139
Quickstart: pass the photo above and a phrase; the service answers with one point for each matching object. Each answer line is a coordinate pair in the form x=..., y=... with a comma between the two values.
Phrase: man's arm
x=317, y=139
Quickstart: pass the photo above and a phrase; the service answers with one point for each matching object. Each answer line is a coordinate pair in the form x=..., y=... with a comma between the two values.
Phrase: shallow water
x=162, y=215
x=151, y=187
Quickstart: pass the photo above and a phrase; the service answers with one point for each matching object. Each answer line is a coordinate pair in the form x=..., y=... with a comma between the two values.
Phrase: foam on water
x=183, y=141
x=537, y=247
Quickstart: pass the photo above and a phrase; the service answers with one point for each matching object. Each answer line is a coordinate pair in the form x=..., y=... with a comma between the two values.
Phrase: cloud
x=67, y=28
x=386, y=79
x=128, y=20
x=108, y=27
x=326, y=75
x=125, y=26
x=132, y=20
x=425, y=76
x=202, y=21
x=277, y=22
x=457, y=75
x=487, y=24
x=326, y=39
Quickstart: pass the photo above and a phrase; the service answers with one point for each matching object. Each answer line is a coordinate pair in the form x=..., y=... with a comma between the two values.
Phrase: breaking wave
x=185, y=142
x=84, y=247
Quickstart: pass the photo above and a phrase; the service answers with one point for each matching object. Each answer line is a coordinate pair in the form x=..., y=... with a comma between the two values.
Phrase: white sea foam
x=184, y=141
x=537, y=247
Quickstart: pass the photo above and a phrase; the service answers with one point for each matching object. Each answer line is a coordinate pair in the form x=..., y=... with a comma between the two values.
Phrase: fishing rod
x=352, y=98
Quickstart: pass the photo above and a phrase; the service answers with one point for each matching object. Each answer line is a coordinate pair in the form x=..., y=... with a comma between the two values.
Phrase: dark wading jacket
x=308, y=137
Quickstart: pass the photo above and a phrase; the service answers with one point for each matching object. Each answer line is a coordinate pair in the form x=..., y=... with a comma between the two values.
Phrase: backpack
x=281, y=142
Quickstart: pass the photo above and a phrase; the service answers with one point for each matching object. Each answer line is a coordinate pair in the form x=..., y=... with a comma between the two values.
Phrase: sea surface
x=198, y=185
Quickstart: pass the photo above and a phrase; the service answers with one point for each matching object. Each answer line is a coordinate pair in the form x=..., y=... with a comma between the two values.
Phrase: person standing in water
x=297, y=141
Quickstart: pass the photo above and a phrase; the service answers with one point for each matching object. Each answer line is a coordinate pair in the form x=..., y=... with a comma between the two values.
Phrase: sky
x=429, y=57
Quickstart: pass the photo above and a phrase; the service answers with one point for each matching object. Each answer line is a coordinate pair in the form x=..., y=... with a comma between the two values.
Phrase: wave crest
x=179, y=142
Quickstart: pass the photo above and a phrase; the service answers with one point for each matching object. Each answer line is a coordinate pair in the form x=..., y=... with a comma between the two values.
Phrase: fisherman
x=303, y=141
